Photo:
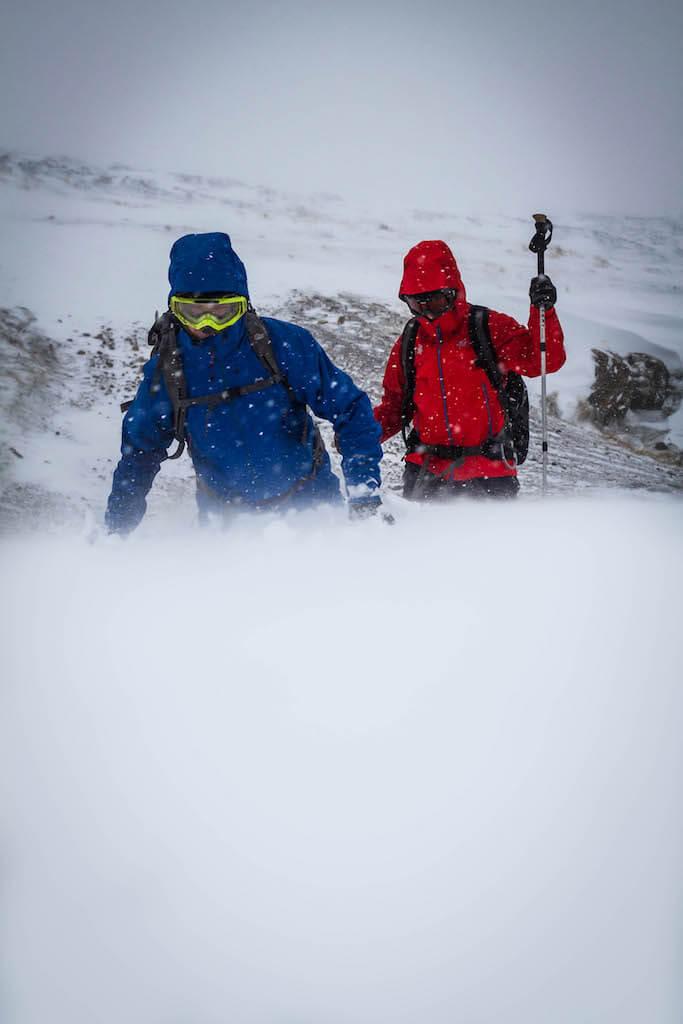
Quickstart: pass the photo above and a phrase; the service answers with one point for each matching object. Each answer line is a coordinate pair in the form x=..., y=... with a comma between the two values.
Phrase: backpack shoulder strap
x=259, y=339
x=261, y=343
x=480, y=337
x=408, y=366
x=163, y=339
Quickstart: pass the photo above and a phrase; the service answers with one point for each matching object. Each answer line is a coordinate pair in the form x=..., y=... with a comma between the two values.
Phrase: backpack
x=163, y=339
x=510, y=388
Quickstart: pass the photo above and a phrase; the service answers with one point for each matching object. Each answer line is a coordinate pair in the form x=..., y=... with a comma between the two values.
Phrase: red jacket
x=455, y=402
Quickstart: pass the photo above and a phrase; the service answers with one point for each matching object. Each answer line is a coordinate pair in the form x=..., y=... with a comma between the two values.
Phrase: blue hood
x=206, y=263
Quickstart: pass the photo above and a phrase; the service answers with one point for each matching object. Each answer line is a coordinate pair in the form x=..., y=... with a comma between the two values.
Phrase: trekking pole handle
x=538, y=244
x=541, y=240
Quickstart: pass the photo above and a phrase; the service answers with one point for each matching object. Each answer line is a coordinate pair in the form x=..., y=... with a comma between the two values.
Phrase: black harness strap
x=494, y=448
x=217, y=398
x=259, y=339
x=163, y=338
x=171, y=364
x=408, y=366
x=480, y=336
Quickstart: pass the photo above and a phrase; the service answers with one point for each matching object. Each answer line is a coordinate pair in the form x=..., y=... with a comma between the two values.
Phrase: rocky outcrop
x=634, y=383
x=631, y=400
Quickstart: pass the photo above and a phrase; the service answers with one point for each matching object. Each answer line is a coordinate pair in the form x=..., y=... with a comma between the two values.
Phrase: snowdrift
x=307, y=770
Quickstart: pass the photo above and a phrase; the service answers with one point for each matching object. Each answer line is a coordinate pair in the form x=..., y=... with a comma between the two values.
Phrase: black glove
x=365, y=508
x=542, y=291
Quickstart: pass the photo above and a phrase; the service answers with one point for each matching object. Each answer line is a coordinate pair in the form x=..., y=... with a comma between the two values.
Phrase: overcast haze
x=510, y=106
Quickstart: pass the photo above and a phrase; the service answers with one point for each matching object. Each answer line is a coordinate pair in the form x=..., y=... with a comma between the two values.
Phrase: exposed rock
x=651, y=386
x=553, y=404
x=611, y=393
x=31, y=367
x=637, y=382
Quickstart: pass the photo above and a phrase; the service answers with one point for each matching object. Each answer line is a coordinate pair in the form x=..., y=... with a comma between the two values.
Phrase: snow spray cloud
x=317, y=773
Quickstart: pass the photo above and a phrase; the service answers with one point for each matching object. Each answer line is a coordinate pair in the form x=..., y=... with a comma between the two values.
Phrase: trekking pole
x=538, y=244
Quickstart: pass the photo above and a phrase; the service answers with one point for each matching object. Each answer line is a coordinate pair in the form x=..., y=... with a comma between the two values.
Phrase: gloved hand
x=542, y=292
x=365, y=508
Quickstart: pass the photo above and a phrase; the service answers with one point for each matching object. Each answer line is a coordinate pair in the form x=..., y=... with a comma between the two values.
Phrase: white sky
x=504, y=105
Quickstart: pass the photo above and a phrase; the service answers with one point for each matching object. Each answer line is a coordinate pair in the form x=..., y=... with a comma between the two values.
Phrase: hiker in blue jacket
x=235, y=389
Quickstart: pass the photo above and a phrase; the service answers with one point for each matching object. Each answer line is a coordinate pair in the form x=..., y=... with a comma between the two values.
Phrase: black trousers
x=420, y=485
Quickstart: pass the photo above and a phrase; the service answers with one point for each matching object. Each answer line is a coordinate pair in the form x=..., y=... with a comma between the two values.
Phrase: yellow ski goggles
x=216, y=313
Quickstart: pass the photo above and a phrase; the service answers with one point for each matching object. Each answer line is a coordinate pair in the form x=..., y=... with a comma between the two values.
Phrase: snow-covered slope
x=310, y=770
x=85, y=251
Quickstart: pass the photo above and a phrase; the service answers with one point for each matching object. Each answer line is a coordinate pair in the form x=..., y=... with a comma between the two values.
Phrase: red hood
x=429, y=266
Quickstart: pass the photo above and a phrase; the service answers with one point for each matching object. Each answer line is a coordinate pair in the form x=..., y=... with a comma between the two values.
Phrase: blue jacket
x=249, y=450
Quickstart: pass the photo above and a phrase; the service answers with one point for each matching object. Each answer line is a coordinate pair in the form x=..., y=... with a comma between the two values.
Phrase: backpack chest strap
x=163, y=338
x=229, y=394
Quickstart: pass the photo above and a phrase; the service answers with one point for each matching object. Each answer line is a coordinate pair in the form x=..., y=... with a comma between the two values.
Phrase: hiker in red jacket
x=461, y=440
